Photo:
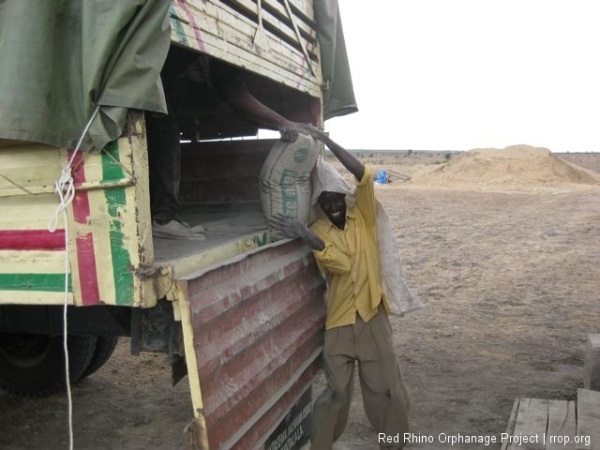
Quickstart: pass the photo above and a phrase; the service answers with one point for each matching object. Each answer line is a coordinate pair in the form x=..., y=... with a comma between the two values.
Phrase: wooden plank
x=591, y=375
x=299, y=37
x=530, y=428
x=562, y=426
x=224, y=34
x=199, y=14
x=305, y=7
x=588, y=419
x=278, y=70
x=234, y=28
x=510, y=429
x=197, y=430
x=33, y=169
x=274, y=20
x=302, y=9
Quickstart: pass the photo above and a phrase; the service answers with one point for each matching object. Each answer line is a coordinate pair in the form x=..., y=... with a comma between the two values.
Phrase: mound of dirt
x=518, y=167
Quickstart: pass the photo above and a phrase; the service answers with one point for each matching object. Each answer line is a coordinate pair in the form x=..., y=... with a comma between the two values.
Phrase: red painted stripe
x=86, y=255
x=32, y=240
x=195, y=26
x=88, y=279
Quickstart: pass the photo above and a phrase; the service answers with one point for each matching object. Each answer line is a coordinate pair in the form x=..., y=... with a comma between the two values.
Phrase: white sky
x=463, y=74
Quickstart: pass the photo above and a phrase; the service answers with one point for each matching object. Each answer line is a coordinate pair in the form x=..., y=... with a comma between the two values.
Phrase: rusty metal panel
x=255, y=328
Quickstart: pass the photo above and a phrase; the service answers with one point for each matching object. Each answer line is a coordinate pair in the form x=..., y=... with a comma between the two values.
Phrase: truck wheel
x=105, y=346
x=32, y=365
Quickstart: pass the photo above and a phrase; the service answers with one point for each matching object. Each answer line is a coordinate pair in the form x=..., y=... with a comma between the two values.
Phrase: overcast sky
x=463, y=74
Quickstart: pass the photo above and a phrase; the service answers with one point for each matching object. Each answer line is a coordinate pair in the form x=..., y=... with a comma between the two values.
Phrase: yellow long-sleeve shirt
x=351, y=256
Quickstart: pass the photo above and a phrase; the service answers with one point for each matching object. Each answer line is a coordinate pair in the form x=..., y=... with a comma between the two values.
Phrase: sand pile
x=518, y=167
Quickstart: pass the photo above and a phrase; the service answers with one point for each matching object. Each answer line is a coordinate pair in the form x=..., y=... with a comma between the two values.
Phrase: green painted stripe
x=111, y=169
x=177, y=25
x=313, y=49
x=121, y=259
x=46, y=282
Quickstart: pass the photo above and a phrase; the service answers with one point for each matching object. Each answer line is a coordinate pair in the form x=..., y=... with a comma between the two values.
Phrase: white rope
x=65, y=189
x=64, y=186
x=65, y=330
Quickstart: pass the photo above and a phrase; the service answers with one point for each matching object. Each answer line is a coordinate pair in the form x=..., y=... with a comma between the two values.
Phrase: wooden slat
x=304, y=6
x=32, y=169
x=288, y=76
x=532, y=420
x=561, y=425
x=510, y=429
x=588, y=418
x=232, y=27
x=31, y=212
x=213, y=17
x=222, y=33
x=274, y=20
x=556, y=423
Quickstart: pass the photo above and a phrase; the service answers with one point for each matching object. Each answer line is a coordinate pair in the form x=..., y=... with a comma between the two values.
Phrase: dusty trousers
x=385, y=399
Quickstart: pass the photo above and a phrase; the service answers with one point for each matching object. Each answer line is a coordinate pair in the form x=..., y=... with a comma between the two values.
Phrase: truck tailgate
x=253, y=329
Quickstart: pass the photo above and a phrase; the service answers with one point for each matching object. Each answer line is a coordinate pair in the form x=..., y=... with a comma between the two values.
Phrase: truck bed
x=228, y=233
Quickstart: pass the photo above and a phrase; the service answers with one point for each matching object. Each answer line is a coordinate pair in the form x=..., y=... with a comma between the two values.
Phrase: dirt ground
x=509, y=279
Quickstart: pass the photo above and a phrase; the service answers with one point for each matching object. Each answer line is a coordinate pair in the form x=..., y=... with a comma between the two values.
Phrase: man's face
x=333, y=205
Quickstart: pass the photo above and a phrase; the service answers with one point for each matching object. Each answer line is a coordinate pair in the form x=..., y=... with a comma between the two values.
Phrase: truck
x=242, y=317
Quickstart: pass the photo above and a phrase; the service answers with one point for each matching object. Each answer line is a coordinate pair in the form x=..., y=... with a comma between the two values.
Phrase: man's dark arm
x=348, y=160
x=250, y=108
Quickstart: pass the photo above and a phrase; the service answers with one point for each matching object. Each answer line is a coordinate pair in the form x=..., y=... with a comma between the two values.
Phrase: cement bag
x=284, y=182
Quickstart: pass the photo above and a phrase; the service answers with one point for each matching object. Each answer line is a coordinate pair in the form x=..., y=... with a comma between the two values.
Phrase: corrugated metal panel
x=256, y=328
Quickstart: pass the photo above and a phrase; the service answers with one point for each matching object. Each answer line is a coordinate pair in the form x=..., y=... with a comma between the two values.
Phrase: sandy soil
x=510, y=283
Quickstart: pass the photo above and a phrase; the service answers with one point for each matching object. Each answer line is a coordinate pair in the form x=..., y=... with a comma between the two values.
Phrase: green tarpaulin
x=59, y=59
x=339, y=97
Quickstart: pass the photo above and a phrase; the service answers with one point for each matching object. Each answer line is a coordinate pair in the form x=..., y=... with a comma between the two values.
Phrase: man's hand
x=289, y=131
x=292, y=228
x=313, y=131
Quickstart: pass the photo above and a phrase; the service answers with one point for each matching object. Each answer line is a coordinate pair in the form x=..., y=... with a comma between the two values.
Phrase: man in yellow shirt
x=344, y=244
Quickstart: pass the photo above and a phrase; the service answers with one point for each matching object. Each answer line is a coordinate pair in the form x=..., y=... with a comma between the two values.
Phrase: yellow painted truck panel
x=107, y=235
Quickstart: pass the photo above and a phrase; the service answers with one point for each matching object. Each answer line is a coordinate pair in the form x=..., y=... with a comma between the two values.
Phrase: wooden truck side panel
x=270, y=38
x=107, y=236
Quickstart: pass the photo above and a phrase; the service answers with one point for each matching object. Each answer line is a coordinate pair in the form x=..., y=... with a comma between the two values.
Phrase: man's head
x=333, y=205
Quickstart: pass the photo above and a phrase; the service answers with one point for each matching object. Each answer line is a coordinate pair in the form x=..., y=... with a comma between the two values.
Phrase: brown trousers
x=384, y=395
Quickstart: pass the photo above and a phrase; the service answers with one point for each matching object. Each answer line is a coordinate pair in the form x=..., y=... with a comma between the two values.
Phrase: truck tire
x=32, y=365
x=105, y=346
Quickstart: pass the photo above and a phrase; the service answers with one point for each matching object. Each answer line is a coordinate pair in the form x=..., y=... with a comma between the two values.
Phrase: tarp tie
x=65, y=189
